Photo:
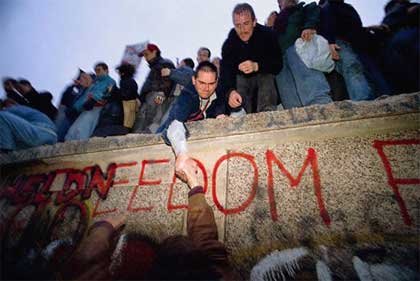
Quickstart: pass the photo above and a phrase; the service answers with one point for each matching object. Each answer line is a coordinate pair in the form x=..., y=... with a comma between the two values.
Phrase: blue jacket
x=99, y=91
x=32, y=116
x=187, y=108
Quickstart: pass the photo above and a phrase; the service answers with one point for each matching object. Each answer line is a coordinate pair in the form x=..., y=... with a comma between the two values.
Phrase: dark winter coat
x=340, y=20
x=262, y=48
x=301, y=17
x=128, y=89
x=70, y=95
x=42, y=102
x=397, y=16
x=154, y=81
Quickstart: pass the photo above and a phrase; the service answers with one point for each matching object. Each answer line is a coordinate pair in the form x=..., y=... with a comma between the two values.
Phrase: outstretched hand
x=117, y=221
x=186, y=169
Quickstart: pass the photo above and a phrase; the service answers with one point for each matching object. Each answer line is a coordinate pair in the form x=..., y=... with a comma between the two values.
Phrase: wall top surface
x=212, y=128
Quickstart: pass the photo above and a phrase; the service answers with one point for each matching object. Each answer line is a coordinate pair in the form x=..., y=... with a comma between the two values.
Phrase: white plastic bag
x=315, y=54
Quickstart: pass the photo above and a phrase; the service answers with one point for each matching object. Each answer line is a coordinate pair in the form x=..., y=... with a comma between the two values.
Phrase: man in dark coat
x=197, y=101
x=401, y=45
x=251, y=57
x=156, y=93
x=38, y=101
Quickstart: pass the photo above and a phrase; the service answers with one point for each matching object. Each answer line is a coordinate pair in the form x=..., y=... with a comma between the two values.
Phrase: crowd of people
x=305, y=54
x=262, y=68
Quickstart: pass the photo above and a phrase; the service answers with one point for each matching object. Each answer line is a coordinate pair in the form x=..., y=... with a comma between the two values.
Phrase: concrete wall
x=330, y=182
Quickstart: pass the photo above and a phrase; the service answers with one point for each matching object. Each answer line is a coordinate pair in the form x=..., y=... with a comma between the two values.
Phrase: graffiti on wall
x=79, y=184
x=25, y=200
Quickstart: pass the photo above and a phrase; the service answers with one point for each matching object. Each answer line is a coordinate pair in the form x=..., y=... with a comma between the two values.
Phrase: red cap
x=151, y=47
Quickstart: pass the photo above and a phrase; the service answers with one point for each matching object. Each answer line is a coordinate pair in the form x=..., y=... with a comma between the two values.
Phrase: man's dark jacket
x=340, y=20
x=397, y=16
x=128, y=89
x=154, y=81
x=262, y=48
x=42, y=102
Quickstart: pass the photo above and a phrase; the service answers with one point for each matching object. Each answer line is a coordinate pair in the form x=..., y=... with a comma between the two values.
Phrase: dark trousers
x=258, y=92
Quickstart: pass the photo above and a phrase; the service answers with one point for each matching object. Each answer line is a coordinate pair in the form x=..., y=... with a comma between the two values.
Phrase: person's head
x=216, y=62
x=178, y=258
x=152, y=51
x=205, y=79
x=392, y=3
x=203, y=54
x=135, y=257
x=24, y=86
x=188, y=62
x=9, y=84
x=101, y=69
x=244, y=21
x=271, y=19
x=126, y=70
x=85, y=80
x=283, y=4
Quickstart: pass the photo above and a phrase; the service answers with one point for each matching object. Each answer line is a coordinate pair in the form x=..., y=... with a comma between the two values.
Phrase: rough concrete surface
x=340, y=180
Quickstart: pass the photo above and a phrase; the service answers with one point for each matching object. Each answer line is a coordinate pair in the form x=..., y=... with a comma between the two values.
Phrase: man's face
x=8, y=86
x=100, y=71
x=244, y=25
x=205, y=83
x=85, y=80
x=283, y=4
x=23, y=88
x=271, y=19
x=149, y=55
x=202, y=55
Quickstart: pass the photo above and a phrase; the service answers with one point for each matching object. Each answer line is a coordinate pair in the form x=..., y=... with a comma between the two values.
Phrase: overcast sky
x=46, y=41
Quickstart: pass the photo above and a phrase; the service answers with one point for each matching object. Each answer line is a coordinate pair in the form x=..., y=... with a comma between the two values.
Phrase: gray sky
x=46, y=41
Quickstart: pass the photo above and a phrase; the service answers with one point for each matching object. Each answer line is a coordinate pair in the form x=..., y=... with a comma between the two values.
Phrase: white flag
x=131, y=53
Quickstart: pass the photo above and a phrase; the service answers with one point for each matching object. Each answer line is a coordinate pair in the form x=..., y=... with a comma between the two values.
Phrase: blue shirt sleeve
x=181, y=110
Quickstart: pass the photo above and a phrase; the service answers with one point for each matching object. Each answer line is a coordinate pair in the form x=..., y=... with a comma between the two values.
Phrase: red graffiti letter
x=73, y=177
x=143, y=182
x=124, y=165
x=99, y=182
x=312, y=160
x=44, y=194
x=172, y=207
x=95, y=211
x=11, y=188
x=29, y=188
x=395, y=182
x=242, y=207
